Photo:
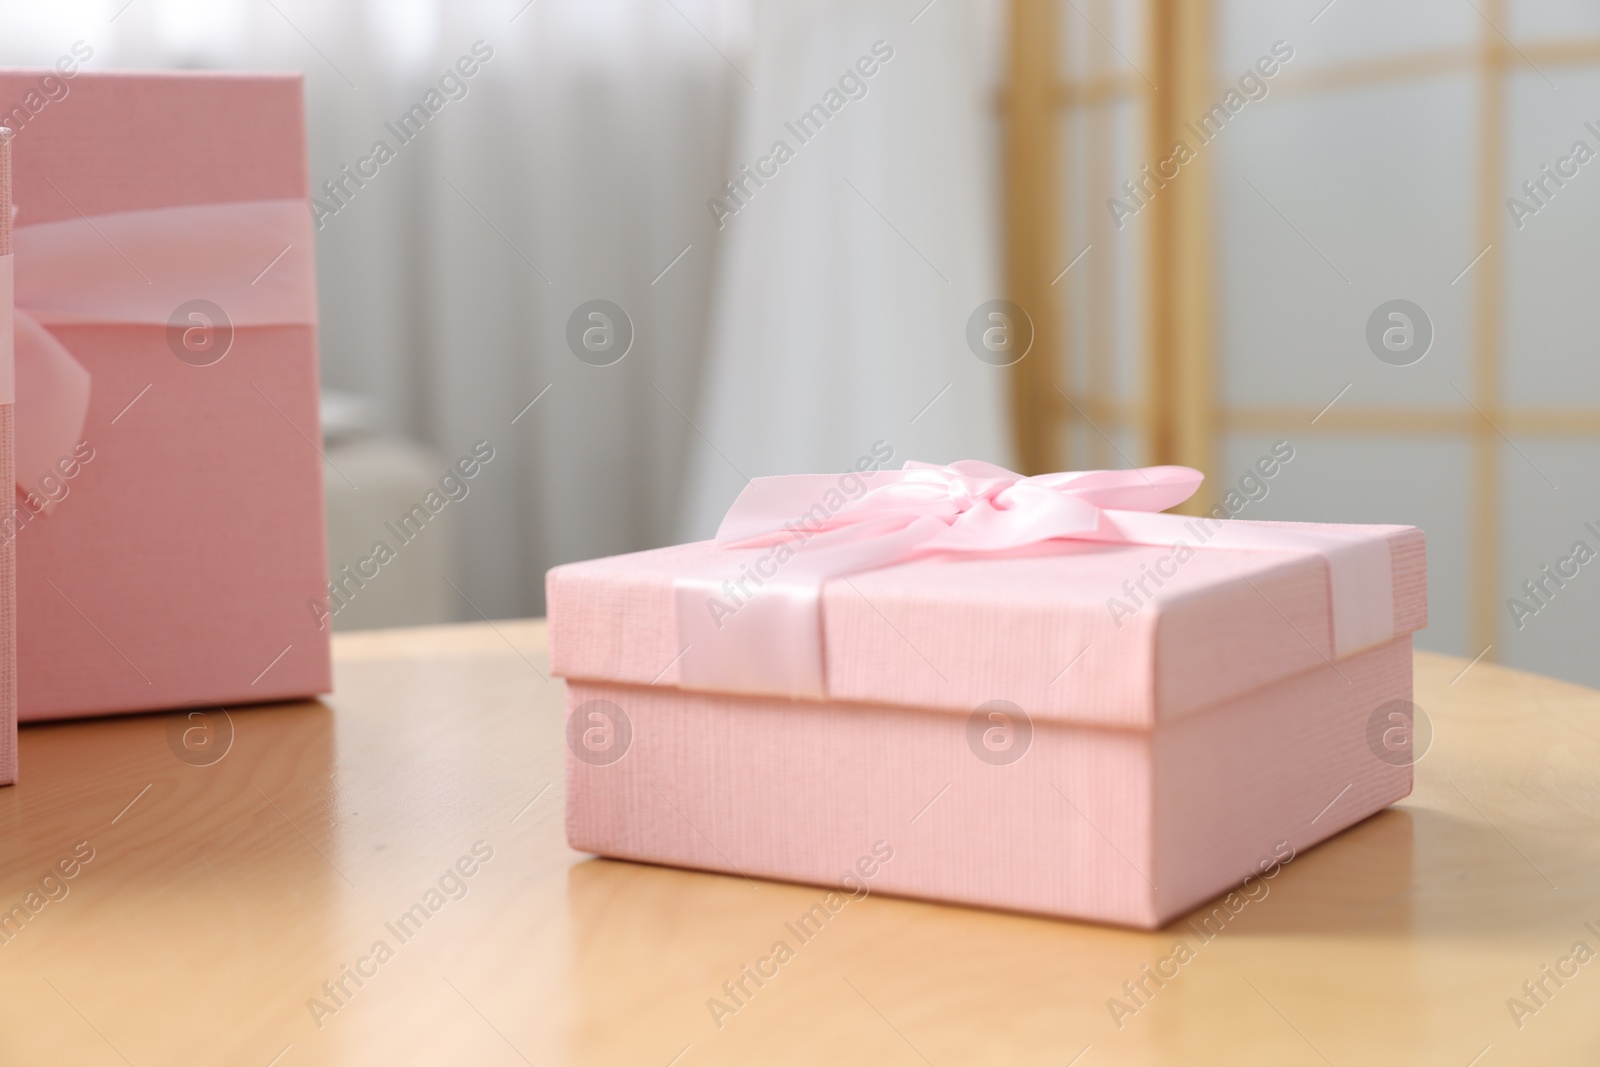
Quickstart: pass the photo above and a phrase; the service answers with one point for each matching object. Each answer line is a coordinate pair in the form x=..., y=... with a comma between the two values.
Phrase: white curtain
x=847, y=279
x=577, y=167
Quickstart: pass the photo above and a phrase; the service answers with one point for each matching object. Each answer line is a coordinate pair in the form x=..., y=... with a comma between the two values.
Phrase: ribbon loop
x=52, y=402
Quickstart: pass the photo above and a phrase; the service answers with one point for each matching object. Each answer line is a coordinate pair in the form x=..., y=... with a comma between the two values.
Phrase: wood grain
x=218, y=902
x=1181, y=372
x=1033, y=195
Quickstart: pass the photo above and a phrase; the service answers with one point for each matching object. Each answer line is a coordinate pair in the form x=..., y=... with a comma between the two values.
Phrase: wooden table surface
x=216, y=886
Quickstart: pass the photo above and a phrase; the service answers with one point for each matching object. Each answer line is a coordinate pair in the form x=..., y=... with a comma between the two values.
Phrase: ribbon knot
x=967, y=486
x=970, y=506
x=963, y=494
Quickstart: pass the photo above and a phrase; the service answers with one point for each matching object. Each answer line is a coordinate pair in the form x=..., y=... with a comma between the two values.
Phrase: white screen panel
x=1542, y=525
x=1346, y=31
x=1328, y=206
x=1103, y=294
x=1103, y=36
x=1545, y=19
x=1551, y=315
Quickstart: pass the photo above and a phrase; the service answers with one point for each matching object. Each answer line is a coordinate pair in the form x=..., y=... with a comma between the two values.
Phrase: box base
x=1126, y=827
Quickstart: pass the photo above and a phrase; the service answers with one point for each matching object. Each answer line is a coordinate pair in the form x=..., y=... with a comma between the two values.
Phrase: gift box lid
x=1108, y=634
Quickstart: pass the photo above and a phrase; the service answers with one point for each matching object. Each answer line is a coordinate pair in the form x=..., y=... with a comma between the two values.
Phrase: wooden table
x=227, y=886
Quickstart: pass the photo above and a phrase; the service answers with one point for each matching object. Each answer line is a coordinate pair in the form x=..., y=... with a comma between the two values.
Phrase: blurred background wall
x=1343, y=163
x=576, y=164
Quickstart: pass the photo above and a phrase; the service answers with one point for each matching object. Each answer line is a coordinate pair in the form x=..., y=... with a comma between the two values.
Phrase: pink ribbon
x=253, y=259
x=753, y=624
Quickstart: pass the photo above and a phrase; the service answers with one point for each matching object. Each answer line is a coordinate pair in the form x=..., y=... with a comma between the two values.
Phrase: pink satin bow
x=752, y=623
x=138, y=268
x=981, y=507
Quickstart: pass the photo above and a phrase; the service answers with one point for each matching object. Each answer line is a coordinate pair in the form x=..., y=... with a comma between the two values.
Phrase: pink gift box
x=997, y=728
x=8, y=551
x=169, y=517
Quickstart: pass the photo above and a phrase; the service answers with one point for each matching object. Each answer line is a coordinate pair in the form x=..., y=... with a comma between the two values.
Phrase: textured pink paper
x=1031, y=627
x=177, y=570
x=8, y=551
x=1133, y=827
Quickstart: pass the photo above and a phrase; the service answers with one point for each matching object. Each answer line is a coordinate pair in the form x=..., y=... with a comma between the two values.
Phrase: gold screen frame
x=1180, y=417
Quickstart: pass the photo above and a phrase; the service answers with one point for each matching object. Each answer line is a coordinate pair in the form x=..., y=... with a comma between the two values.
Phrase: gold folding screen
x=1174, y=413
